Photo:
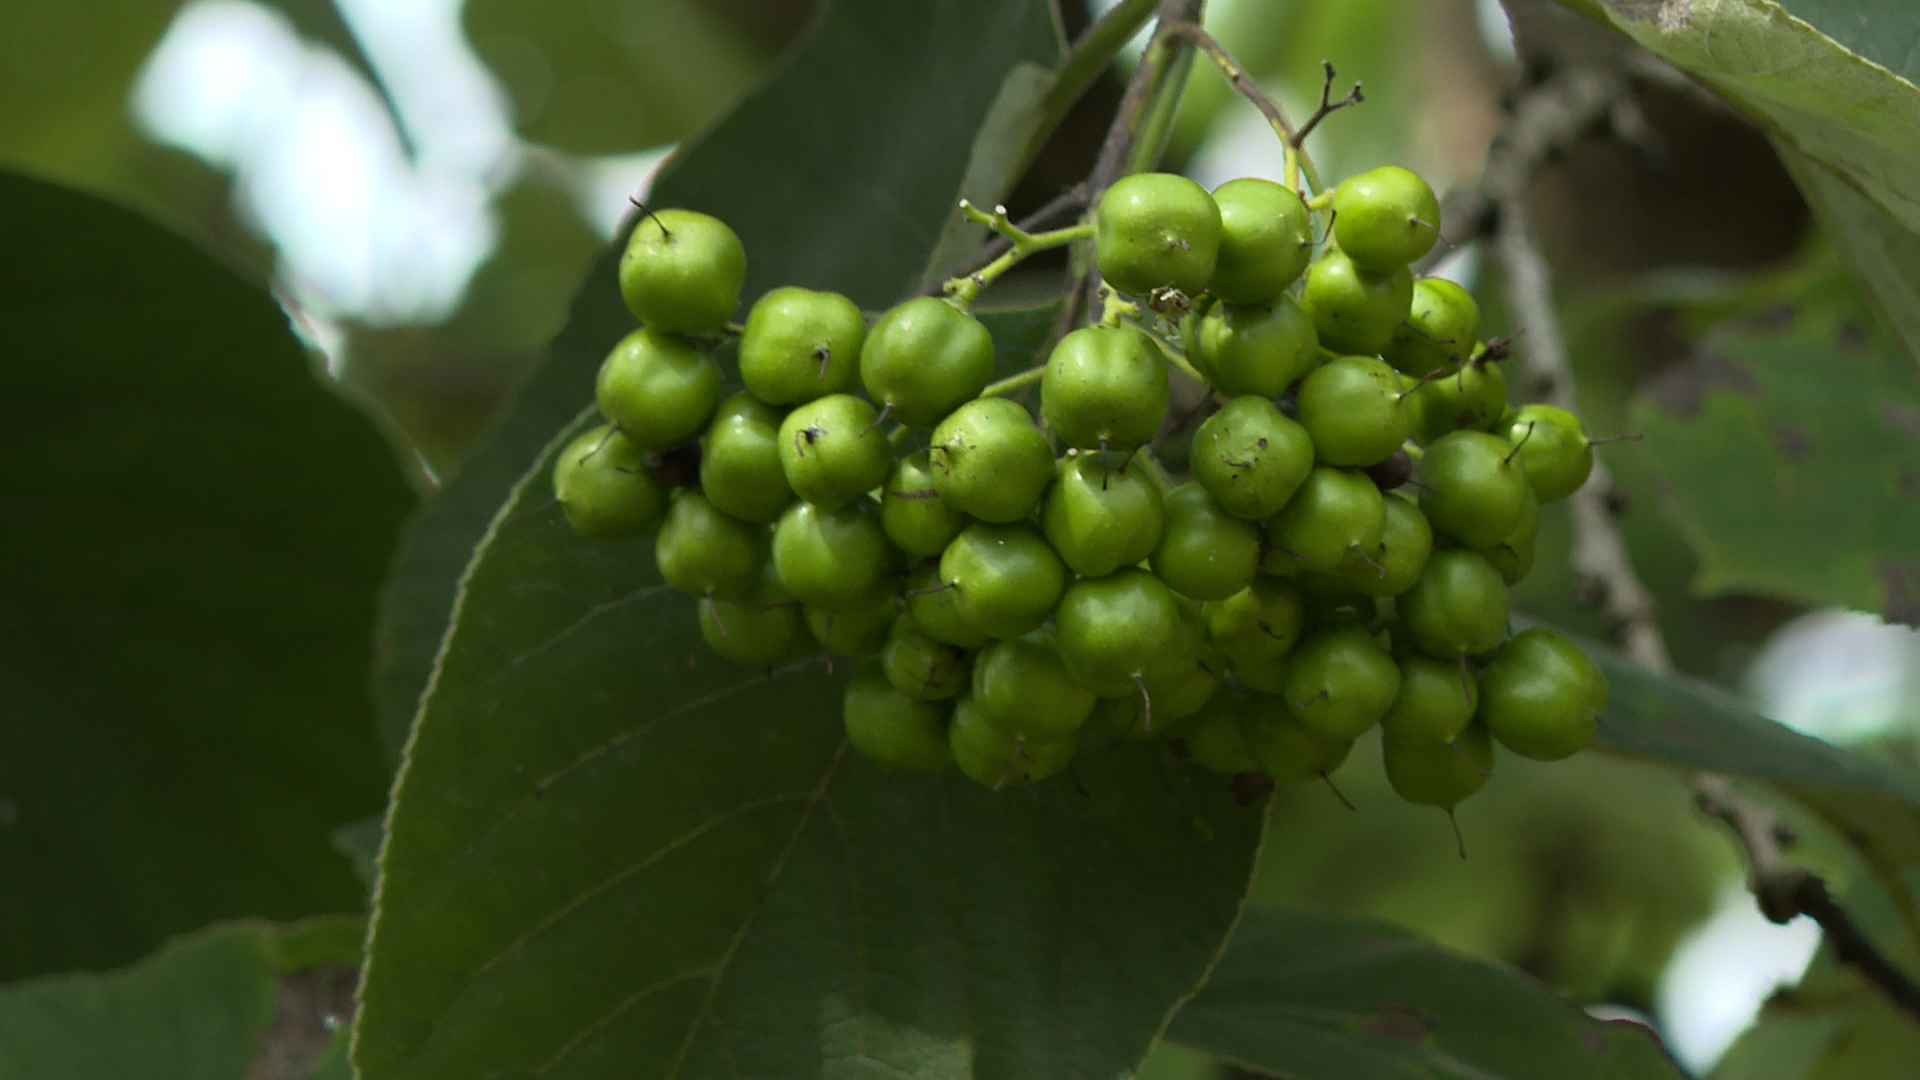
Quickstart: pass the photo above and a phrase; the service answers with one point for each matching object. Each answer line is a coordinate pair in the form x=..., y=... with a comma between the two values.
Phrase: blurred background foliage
x=423, y=184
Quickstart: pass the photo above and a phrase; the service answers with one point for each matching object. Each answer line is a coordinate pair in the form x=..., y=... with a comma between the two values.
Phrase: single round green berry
x=1204, y=551
x=1352, y=311
x=836, y=560
x=800, y=344
x=1112, y=628
x=1436, y=699
x=1180, y=679
x=858, y=635
x=1265, y=240
x=1554, y=444
x=703, y=552
x=1541, y=695
x=1257, y=349
x=740, y=470
x=1405, y=545
x=1217, y=741
x=1005, y=578
x=1105, y=388
x=604, y=488
x=1156, y=231
x=1471, y=397
x=1458, y=607
x=1339, y=681
x=894, y=729
x=1025, y=688
x=1287, y=750
x=990, y=461
x=1385, y=218
x=1513, y=557
x=682, y=271
x=1103, y=513
x=1474, y=488
x=933, y=606
x=760, y=629
x=1353, y=409
x=923, y=358
x=657, y=389
x=920, y=667
x=832, y=450
x=1334, y=512
x=1255, y=628
x=993, y=756
x=1434, y=772
x=1250, y=457
x=1442, y=325
x=917, y=519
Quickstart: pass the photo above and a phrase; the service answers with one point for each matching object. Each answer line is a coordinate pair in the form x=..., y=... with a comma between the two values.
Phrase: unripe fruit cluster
x=1339, y=556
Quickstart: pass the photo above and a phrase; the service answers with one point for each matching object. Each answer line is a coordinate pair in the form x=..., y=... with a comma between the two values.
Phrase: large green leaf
x=185, y=590
x=1884, y=258
x=1316, y=996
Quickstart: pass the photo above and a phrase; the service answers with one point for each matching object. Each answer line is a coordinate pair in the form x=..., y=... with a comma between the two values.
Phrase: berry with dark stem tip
x=1385, y=218
x=1265, y=240
x=682, y=271
x=657, y=389
x=1105, y=388
x=1250, y=457
x=1352, y=409
x=1335, y=511
x=800, y=344
x=602, y=484
x=922, y=358
x=1541, y=695
x=831, y=451
x=1257, y=349
x=916, y=519
x=989, y=461
x=1352, y=311
x=1102, y=513
x=1005, y=578
x=1156, y=231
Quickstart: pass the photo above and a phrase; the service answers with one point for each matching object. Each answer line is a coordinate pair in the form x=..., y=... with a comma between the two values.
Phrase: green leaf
x=1883, y=257
x=1316, y=996
x=1883, y=32
x=1789, y=449
x=185, y=591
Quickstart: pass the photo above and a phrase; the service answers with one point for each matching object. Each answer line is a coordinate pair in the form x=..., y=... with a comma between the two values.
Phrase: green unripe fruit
x=800, y=344
x=1554, y=444
x=1265, y=240
x=1430, y=772
x=1005, y=578
x=604, y=488
x=759, y=630
x=682, y=271
x=992, y=756
x=832, y=451
x=1024, y=687
x=1353, y=409
x=1471, y=398
x=1285, y=749
x=1385, y=218
x=1475, y=488
x=1442, y=325
x=1255, y=628
x=1178, y=680
x=858, y=635
x=836, y=560
x=1102, y=513
x=1112, y=628
x=1541, y=695
x=1204, y=551
x=1339, y=681
x=1459, y=606
x=1256, y=349
x=1250, y=457
x=923, y=358
x=1513, y=557
x=1405, y=544
x=1105, y=388
x=990, y=461
x=703, y=552
x=917, y=520
x=1354, y=312
x=894, y=729
x=740, y=470
x=932, y=607
x=1334, y=512
x=1156, y=231
x=1217, y=743
x=920, y=667
x=658, y=390
x=1436, y=700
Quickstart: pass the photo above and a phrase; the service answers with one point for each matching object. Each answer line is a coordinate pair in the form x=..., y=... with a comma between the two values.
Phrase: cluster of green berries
x=1338, y=556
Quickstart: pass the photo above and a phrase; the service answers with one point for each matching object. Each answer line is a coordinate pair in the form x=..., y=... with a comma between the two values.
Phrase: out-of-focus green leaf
x=1316, y=996
x=1884, y=258
x=1884, y=32
x=1832, y=1026
x=185, y=590
x=1790, y=453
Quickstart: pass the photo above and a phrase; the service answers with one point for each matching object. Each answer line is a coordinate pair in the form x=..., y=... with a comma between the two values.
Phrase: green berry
x=1102, y=513
x=703, y=552
x=835, y=560
x=1353, y=409
x=1432, y=772
x=917, y=520
x=894, y=729
x=1285, y=749
x=1554, y=444
x=1471, y=397
x=1475, y=488
x=1352, y=311
x=1217, y=742
x=1436, y=699
x=1442, y=324
x=1179, y=680
x=658, y=390
x=923, y=358
x=682, y=271
x=800, y=344
x=1385, y=218
x=932, y=607
x=760, y=629
x=1255, y=628
x=604, y=488
x=1458, y=607
x=1406, y=542
x=740, y=470
x=990, y=461
x=858, y=635
x=1513, y=557
x=920, y=667
x=1105, y=388
x=1112, y=628
x=1250, y=457
x=990, y=755
x=1265, y=240
x=832, y=451
x=1334, y=512
x=1257, y=349
x=1024, y=687
x=1005, y=578
x=1339, y=681
x=1204, y=551
x=1541, y=695
x=1156, y=231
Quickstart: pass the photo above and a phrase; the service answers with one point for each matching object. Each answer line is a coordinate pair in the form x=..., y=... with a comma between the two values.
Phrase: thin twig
x=1072, y=199
x=1326, y=107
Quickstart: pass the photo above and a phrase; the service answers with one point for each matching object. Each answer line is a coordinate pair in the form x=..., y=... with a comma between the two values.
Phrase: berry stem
x=963, y=290
x=1291, y=139
x=1179, y=360
x=1014, y=382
